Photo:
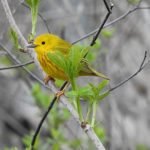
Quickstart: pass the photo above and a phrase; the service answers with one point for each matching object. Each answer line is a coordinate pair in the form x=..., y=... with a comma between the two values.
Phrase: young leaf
x=88, y=97
x=36, y=88
x=72, y=94
x=34, y=11
x=133, y=1
x=15, y=38
x=102, y=85
x=93, y=87
x=70, y=64
x=29, y=2
x=28, y=148
x=85, y=50
x=101, y=133
x=107, y=34
x=66, y=113
x=56, y=146
x=54, y=133
x=103, y=95
x=97, y=44
x=27, y=140
x=59, y=59
x=85, y=91
x=76, y=143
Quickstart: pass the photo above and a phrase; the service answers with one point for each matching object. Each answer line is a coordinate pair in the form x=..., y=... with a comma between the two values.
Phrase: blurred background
x=123, y=117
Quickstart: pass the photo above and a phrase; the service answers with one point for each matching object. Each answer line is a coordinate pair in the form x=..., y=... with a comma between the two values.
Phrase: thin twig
x=44, y=117
x=110, y=23
x=17, y=66
x=142, y=66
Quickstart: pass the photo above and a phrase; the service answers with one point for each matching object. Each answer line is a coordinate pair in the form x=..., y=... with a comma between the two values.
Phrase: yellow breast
x=50, y=68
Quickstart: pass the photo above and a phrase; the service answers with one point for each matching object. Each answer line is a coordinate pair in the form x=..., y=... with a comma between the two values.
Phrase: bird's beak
x=32, y=46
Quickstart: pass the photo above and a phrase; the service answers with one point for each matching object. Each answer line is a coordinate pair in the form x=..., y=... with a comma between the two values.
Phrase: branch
x=103, y=23
x=63, y=99
x=17, y=66
x=142, y=66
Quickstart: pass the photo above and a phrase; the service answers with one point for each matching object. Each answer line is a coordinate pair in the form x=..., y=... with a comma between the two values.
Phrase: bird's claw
x=48, y=78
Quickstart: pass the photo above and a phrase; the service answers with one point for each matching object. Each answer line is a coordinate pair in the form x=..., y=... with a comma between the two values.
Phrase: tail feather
x=89, y=71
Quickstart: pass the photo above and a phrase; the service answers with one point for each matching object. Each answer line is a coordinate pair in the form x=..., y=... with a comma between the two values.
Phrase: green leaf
x=27, y=140
x=29, y=2
x=35, y=2
x=94, y=89
x=133, y=1
x=76, y=143
x=32, y=3
x=85, y=50
x=141, y=147
x=101, y=133
x=103, y=95
x=72, y=94
x=70, y=64
x=75, y=56
x=102, y=85
x=97, y=44
x=55, y=133
x=66, y=113
x=88, y=97
x=85, y=91
x=56, y=146
x=15, y=38
x=34, y=11
x=28, y=148
x=91, y=56
x=59, y=59
x=36, y=88
x=41, y=99
x=107, y=34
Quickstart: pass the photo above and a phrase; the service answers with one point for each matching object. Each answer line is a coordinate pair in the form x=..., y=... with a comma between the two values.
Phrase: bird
x=49, y=43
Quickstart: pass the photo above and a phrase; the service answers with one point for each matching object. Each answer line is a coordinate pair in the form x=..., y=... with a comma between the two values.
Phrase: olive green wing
x=89, y=71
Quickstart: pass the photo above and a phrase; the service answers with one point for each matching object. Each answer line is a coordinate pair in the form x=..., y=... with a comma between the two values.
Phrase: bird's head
x=43, y=43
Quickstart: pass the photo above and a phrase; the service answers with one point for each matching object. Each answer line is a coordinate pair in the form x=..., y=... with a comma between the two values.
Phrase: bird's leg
x=47, y=78
x=59, y=93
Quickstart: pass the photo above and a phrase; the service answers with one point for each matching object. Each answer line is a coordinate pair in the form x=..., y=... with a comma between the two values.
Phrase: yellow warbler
x=46, y=43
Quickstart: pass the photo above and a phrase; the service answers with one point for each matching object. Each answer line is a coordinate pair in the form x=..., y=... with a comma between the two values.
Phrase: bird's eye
x=43, y=43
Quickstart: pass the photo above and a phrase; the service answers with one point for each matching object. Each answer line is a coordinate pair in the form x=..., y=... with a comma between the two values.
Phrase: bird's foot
x=48, y=78
x=59, y=93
